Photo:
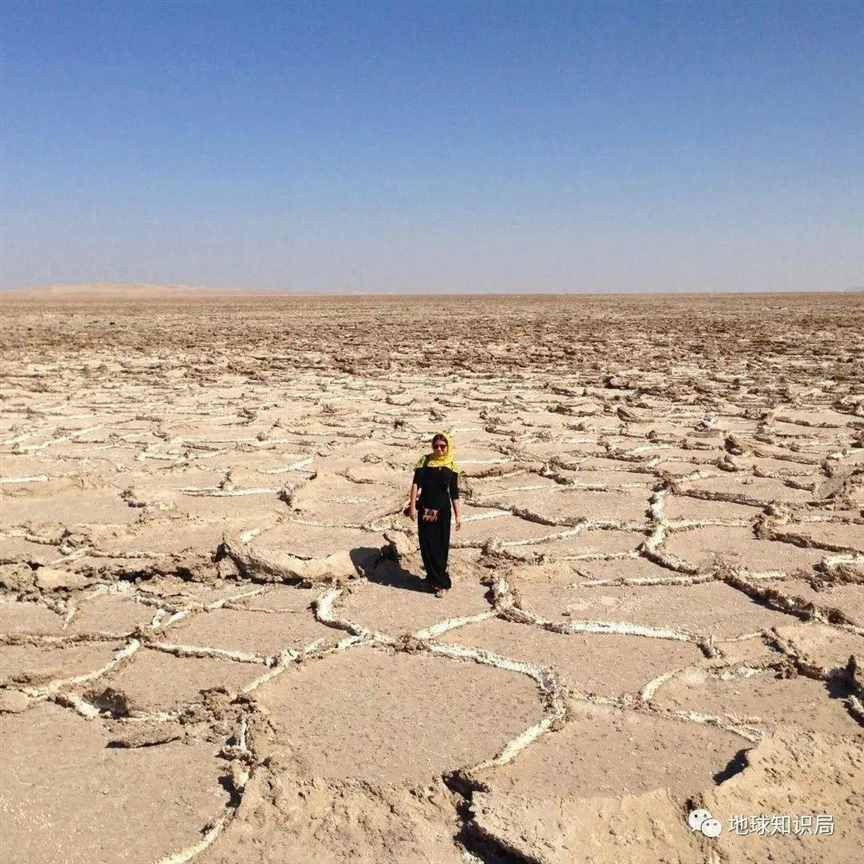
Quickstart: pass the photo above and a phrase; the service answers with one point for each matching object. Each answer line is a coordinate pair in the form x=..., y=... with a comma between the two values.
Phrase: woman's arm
x=415, y=491
x=454, y=497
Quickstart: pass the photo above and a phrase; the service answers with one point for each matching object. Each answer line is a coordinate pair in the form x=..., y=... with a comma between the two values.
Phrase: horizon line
x=169, y=290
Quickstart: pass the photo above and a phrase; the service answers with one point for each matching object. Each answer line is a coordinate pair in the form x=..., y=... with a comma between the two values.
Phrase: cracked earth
x=214, y=642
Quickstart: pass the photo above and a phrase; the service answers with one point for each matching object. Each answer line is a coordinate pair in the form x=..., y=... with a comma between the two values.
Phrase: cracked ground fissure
x=203, y=560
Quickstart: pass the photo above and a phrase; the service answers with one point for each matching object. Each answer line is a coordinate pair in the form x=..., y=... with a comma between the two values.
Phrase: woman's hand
x=458, y=523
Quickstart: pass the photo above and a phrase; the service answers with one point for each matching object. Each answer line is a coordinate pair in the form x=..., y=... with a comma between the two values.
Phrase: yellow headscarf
x=448, y=460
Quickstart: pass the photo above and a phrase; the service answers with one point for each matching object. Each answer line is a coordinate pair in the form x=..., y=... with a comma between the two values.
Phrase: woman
x=434, y=488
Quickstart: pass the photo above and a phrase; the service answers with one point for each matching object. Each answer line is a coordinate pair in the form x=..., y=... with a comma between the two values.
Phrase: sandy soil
x=215, y=643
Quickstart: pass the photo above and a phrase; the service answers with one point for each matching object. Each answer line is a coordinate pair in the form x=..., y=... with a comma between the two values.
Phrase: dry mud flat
x=214, y=645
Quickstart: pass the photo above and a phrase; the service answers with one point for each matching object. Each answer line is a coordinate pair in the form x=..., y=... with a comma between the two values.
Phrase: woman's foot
x=440, y=592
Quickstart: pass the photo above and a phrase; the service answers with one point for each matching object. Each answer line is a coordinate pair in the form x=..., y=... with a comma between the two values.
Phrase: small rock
x=110, y=701
x=13, y=701
x=398, y=546
x=16, y=577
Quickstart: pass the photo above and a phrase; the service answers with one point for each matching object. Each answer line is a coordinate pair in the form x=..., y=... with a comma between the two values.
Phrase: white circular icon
x=711, y=827
x=702, y=820
x=696, y=818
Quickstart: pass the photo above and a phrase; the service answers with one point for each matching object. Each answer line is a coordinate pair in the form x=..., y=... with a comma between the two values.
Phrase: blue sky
x=446, y=146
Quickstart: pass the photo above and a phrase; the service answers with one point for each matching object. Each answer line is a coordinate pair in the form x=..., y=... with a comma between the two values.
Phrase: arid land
x=214, y=642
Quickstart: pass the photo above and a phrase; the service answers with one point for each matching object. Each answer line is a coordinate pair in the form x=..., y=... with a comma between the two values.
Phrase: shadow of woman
x=385, y=571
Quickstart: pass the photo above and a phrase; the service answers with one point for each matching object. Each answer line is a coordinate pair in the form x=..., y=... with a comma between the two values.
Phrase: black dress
x=438, y=487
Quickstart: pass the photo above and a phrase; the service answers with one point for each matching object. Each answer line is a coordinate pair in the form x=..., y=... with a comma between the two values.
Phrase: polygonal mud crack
x=385, y=717
x=296, y=820
x=712, y=608
x=586, y=663
x=603, y=751
x=760, y=699
x=251, y=632
x=663, y=499
x=94, y=805
x=160, y=682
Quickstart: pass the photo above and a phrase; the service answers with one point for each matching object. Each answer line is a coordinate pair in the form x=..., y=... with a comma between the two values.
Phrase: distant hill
x=110, y=291
x=855, y=289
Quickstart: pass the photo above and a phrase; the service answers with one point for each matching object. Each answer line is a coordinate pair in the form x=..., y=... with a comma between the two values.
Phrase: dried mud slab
x=588, y=663
x=703, y=548
x=311, y=541
x=841, y=535
x=271, y=599
x=683, y=508
x=637, y=570
x=38, y=665
x=795, y=774
x=614, y=507
x=257, y=633
x=177, y=593
x=270, y=563
x=396, y=601
x=637, y=483
x=294, y=821
x=160, y=534
x=624, y=829
x=569, y=506
x=604, y=751
x=98, y=805
x=507, y=529
x=827, y=646
x=504, y=488
x=74, y=507
x=21, y=618
x=847, y=599
x=389, y=718
x=251, y=508
x=110, y=613
x=711, y=608
x=755, y=489
x=355, y=503
x=682, y=469
x=158, y=682
x=761, y=699
x=790, y=775
x=17, y=548
x=585, y=546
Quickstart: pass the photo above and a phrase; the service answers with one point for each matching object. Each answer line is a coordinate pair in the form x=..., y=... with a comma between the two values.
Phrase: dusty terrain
x=214, y=643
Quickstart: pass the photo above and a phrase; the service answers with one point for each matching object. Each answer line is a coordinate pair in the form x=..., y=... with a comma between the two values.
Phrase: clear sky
x=434, y=146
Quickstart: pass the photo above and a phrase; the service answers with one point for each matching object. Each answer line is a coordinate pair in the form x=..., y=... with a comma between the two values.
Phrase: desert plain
x=215, y=642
